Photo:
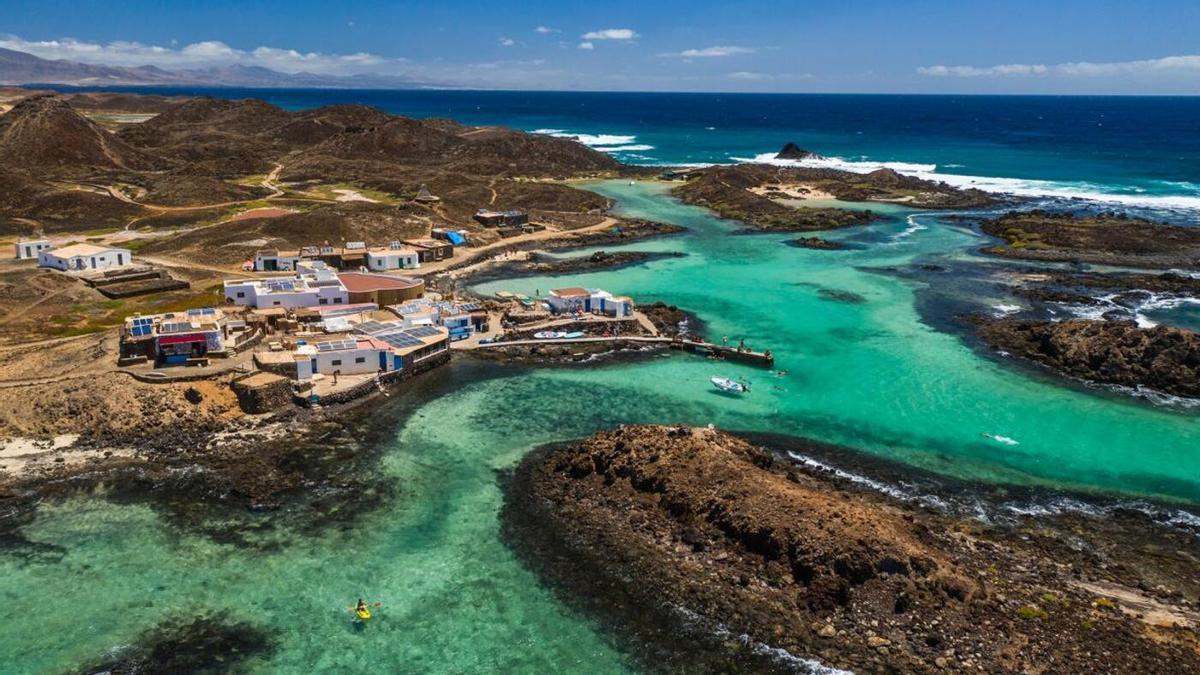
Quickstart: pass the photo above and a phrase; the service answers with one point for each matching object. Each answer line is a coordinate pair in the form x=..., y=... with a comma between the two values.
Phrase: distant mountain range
x=21, y=68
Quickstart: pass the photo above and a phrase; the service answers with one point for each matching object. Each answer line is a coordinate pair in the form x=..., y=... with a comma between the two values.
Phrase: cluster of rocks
x=1121, y=353
x=678, y=536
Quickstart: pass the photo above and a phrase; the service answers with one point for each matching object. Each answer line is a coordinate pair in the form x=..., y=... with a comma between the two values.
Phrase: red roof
x=363, y=282
x=181, y=339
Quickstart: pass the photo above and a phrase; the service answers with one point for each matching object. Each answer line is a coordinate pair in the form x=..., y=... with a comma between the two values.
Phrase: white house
x=348, y=356
x=31, y=248
x=276, y=261
x=314, y=284
x=589, y=301
x=80, y=257
x=393, y=258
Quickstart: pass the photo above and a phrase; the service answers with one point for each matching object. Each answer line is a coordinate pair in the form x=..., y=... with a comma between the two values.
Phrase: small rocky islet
x=681, y=538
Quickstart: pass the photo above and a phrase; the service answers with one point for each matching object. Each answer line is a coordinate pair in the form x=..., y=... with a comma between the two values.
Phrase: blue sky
x=1019, y=46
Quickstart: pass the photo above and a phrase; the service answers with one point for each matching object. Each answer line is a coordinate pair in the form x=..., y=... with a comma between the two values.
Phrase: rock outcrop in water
x=1163, y=358
x=741, y=192
x=709, y=554
x=1105, y=238
x=794, y=152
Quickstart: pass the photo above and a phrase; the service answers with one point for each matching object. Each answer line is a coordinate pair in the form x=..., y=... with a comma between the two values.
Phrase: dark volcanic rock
x=1109, y=352
x=678, y=536
x=816, y=243
x=203, y=645
x=1106, y=238
x=794, y=152
x=837, y=295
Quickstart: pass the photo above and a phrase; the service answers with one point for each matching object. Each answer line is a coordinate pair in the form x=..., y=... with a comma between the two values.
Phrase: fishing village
x=505, y=388
x=327, y=324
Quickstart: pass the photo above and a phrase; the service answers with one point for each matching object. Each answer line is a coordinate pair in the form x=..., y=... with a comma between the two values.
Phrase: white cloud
x=545, y=30
x=611, y=34
x=1187, y=64
x=196, y=55
x=711, y=52
x=748, y=76
x=507, y=42
x=586, y=45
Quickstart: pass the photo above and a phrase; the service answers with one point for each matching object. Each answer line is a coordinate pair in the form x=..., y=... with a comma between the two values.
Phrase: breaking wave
x=1021, y=187
x=601, y=142
x=1035, y=502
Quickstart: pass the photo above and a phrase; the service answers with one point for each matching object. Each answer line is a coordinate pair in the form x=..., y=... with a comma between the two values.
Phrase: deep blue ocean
x=1131, y=151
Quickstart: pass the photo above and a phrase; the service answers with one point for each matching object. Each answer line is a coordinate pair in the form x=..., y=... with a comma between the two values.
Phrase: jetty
x=764, y=359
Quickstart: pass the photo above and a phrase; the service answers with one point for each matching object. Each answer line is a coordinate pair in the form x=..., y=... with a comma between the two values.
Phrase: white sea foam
x=635, y=147
x=1004, y=310
x=591, y=140
x=777, y=654
x=1021, y=187
x=913, y=228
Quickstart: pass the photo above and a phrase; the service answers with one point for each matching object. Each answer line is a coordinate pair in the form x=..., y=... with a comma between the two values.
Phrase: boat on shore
x=729, y=386
x=549, y=335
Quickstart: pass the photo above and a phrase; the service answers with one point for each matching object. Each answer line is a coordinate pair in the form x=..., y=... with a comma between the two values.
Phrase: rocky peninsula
x=705, y=553
x=769, y=198
x=1103, y=238
x=1121, y=353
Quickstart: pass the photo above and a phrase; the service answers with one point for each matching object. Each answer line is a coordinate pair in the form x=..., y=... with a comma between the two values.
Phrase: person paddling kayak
x=362, y=611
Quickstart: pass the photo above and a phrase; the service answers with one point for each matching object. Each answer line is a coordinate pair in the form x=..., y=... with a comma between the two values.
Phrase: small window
x=322, y=301
x=360, y=359
x=337, y=301
x=276, y=303
x=336, y=362
x=241, y=294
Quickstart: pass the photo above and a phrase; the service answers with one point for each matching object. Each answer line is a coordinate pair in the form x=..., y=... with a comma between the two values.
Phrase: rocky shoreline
x=751, y=194
x=704, y=553
x=1120, y=353
x=1100, y=239
x=540, y=264
x=313, y=466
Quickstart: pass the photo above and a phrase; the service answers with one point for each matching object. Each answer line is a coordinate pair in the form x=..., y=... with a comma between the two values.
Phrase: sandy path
x=544, y=235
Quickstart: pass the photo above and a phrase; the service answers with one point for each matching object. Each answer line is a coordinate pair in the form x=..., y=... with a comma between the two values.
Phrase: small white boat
x=729, y=386
x=549, y=335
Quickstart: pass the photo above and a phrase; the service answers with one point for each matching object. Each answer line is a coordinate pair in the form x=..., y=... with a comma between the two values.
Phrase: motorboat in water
x=729, y=386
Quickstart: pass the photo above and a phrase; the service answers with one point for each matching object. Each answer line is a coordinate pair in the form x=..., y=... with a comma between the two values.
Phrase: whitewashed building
x=394, y=257
x=276, y=261
x=32, y=248
x=82, y=257
x=589, y=301
x=314, y=285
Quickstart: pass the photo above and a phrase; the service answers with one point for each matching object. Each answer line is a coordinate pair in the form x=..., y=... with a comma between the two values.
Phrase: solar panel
x=470, y=307
x=400, y=340
x=143, y=321
x=423, y=331
x=141, y=331
x=336, y=345
x=372, y=327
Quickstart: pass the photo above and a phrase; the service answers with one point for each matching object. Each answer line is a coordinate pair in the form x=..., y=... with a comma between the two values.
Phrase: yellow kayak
x=363, y=614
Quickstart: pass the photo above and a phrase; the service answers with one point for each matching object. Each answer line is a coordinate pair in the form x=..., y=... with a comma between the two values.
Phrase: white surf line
x=1022, y=187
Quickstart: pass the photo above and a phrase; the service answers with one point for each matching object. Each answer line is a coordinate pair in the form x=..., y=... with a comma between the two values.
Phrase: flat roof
x=573, y=292
x=365, y=282
x=83, y=250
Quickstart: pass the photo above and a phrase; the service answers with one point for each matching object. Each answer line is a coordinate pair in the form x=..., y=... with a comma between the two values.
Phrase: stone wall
x=259, y=393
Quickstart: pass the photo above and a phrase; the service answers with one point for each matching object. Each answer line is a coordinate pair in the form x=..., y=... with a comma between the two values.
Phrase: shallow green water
x=868, y=375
